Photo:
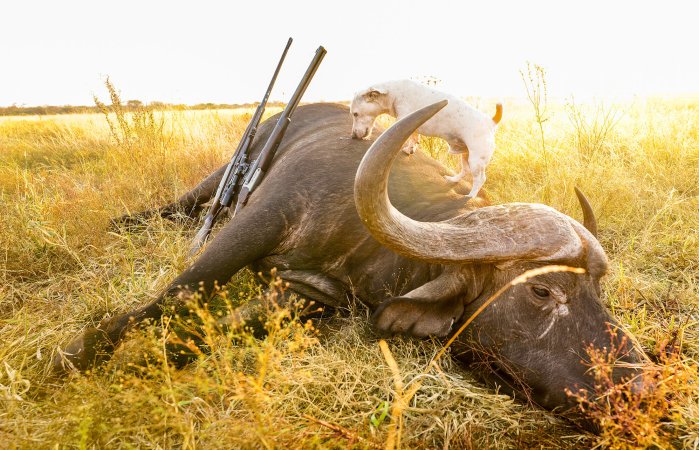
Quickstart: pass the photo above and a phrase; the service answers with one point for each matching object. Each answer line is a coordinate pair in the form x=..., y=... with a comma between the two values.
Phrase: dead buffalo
x=339, y=219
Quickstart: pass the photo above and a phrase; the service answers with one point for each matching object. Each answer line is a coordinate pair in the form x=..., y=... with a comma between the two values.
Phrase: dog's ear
x=373, y=93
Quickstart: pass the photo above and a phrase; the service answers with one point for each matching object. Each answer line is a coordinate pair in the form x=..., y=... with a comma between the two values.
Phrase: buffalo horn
x=491, y=234
x=589, y=219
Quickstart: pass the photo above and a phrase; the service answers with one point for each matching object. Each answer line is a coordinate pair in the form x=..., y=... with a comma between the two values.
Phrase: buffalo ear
x=418, y=317
x=374, y=93
x=429, y=310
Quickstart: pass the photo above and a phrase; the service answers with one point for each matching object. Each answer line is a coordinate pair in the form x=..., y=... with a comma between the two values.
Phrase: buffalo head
x=540, y=330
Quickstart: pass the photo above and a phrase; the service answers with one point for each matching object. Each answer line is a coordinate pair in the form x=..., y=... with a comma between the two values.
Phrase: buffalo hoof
x=86, y=351
x=137, y=222
x=416, y=317
x=129, y=222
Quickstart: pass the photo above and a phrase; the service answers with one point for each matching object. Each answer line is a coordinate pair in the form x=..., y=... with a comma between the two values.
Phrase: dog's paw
x=416, y=317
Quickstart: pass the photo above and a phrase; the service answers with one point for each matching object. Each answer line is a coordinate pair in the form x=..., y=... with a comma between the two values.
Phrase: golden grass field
x=63, y=177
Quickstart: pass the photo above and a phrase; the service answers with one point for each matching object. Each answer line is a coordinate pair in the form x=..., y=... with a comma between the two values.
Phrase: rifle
x=261, y=165
x=237, y=167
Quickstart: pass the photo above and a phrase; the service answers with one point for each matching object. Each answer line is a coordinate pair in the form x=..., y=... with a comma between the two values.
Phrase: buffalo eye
x=541, y=292
x=355, y=114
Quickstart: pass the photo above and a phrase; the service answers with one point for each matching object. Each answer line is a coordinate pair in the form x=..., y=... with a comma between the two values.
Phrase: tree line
x=130, y=105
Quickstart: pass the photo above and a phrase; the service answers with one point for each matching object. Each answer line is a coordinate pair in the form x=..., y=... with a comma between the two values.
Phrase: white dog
x=468, y=131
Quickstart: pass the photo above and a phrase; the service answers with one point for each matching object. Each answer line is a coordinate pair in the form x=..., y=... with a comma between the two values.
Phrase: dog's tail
x=498, y=113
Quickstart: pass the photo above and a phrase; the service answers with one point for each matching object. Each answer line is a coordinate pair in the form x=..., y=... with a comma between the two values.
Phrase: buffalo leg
x=189, y=204
x=253, y=234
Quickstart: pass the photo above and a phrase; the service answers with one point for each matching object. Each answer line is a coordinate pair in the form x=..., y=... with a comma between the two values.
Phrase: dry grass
x=62, y=178
x=647, y=418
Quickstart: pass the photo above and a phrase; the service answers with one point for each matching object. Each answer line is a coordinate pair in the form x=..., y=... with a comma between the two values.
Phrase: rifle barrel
x=306, y=80
x=258, y=168
x=276, y=72
x=227, y=187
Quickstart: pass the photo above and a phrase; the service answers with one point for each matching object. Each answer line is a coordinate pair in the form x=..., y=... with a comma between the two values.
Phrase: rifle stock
x=203, y=232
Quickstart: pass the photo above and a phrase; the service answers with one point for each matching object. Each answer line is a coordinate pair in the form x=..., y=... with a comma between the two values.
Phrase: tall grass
x=594, y=127
x=62, y=178
x=137, y=127
x=534, y=79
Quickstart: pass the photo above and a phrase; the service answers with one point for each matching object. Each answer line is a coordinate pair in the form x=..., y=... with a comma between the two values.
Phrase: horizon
x=170, y=52
x=517, y=100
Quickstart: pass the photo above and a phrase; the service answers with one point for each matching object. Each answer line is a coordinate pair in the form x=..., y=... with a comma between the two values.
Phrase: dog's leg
x=478, y=173
x=464, y=170
x=411, y=144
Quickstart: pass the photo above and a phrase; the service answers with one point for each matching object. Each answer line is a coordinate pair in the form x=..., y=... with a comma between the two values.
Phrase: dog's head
x=366, y=106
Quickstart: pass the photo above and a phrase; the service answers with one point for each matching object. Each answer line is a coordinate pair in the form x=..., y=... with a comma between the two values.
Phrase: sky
x=56, y=53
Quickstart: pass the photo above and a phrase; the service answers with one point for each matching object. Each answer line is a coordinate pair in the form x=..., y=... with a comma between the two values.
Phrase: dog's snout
x=359, y=134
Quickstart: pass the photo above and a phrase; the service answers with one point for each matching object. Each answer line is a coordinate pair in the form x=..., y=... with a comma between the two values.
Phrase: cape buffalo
x=338, y=220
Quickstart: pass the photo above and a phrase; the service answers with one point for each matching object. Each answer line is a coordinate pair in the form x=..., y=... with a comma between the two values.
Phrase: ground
x=63, y=177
